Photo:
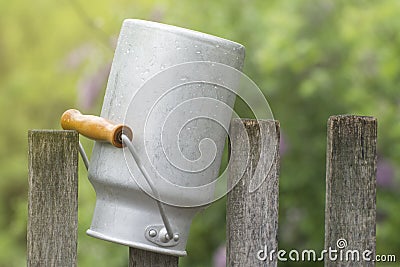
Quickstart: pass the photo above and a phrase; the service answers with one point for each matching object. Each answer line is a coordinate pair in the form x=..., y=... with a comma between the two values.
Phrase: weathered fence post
x=350, y=213
x=143, y=258
x=252, y=217
x=53, y=198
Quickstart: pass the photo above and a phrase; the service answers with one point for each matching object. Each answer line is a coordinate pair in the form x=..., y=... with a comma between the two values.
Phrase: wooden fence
x=252, y=218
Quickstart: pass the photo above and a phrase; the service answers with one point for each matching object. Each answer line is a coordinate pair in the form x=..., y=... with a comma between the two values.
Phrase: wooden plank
x=252, y=217
x=53, y=198
x=143, y=258
x=350, y=212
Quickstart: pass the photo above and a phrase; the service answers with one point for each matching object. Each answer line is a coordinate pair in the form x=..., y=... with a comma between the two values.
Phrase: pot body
x=180, y=121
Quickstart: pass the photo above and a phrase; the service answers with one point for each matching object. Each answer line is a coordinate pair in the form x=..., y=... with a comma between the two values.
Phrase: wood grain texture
x=52, y=198
x=143, y=258
x=350, y=211
x=94, y=127
x=252, y=217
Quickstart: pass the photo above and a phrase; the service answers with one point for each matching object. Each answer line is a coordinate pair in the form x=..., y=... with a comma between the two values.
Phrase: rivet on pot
x=152, y=233
x=176, y=237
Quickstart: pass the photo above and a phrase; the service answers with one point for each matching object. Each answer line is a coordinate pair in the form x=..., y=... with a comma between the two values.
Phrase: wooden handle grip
x=94, y=127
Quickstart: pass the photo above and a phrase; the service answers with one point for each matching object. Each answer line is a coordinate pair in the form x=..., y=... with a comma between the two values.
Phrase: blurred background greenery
x=311, y=58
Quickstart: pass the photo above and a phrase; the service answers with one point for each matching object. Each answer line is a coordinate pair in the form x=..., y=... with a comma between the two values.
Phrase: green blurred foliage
x=311, y=58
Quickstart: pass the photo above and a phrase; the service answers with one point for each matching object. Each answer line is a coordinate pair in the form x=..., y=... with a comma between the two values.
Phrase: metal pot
x=159, y=87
